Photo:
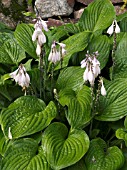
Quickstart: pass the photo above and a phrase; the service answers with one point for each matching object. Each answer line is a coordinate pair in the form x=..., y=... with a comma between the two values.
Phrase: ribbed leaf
x=97, y=16
x=123, y=24
x=11, y=52
x=75, y=43
x=23, y=34
x=3, y=143
x=70, y=77
x=79, y=106
x=78, y=166
x=102, y=45
x=113, y=106
x=63, y=149
x=21, y=155
x=4, y=37
x=120, y=55
x=99, y=157
x=26, y=116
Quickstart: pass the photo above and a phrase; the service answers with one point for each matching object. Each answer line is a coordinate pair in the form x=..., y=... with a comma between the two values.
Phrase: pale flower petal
x=117, y=29
x=110, y=30
x=38, y=49
x=9, y=133
x=41, y=39
x=85, y=75
x=13, y=74
x=103, y=90
x=91, y=77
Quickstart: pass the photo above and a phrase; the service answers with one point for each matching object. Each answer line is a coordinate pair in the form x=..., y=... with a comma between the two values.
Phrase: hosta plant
x=63, y=93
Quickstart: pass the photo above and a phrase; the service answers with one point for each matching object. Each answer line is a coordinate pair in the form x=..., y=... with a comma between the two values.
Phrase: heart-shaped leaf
x=70, y=77
x=23, y=34
x=99, y=157
x=11, y=52
x=26, y=116
x=21, y=155
x=113, y=106
x=63, y=149
x=79, y=106
x=97, y=16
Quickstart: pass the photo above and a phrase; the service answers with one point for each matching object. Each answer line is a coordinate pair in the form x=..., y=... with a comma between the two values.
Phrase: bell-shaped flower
x=83, y=63
x=111, y=28
x=9, y=133
x=92, y=67
x=39, y=35
x=38, y=49
x=21, y=77
x=85, y=75
x=62, y=46
x=54, y=54
x=91, y=77
x=103, y=90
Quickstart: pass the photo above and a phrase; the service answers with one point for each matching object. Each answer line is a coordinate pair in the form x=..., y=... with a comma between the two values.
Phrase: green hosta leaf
x=80, y=165
x=99, y=157
x=102, y=45
x=79, y=106
x=121, y=55
x=70, y=77
x=97, y=16
x=113, y=106
x=21, y=155
x=11, y=52
x=65, y=30
x=4, y=37
x=3, y=143
x=123, y=24
x=23, y=34
x=75, y=43
x=63, y=149
x=122, y=134
x=26, y=116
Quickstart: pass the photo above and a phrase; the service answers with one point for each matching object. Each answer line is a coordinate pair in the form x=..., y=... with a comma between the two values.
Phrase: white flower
x=103, y=90
x=85, y=75
x=9, y=133
x=38, y=49
x=21, y=77
x=110, y=29
x=92, y=67
x=91, y=77
x=83, y=63
x=62, y=46
x=39, y=35
x=54, y=54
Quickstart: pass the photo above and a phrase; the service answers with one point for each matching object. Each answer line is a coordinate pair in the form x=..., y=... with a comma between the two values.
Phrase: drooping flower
x=111, y=28
x=9, y=133
x=39, y=35
x=92, y=66
x=21, y=77
x=103, y=90
x=55, y=54
x=62, y=46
